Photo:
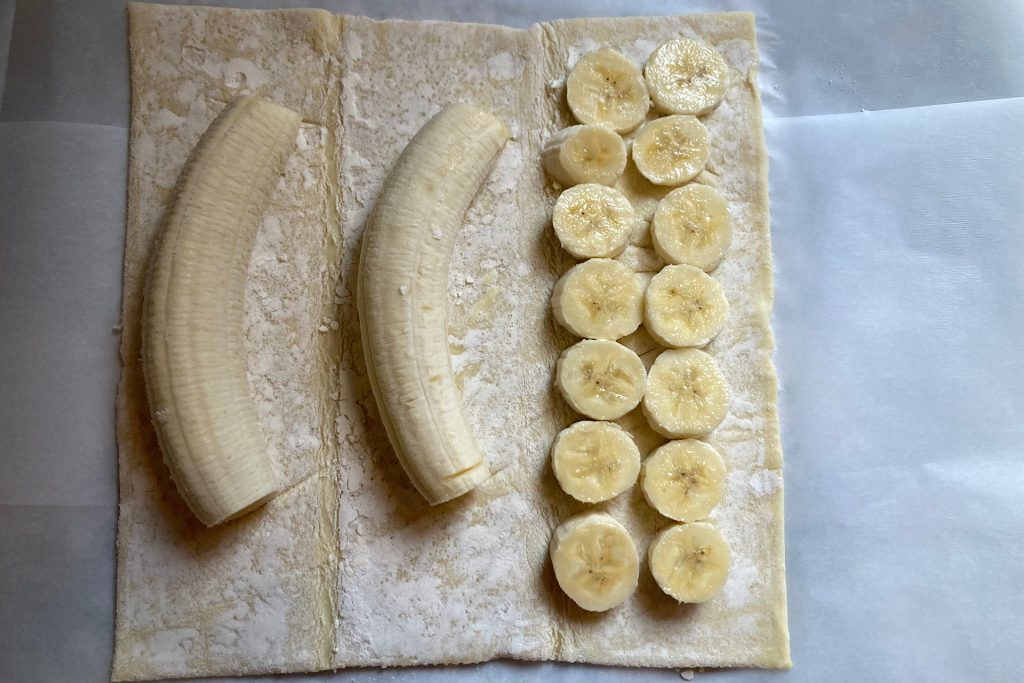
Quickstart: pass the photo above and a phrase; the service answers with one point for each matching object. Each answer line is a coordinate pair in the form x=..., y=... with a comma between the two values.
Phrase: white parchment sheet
x=897, y=189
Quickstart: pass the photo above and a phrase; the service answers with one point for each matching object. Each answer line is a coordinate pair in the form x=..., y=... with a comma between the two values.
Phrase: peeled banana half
x=193, y=354
x=402, y=289
x=690, y=562
x=595, y=561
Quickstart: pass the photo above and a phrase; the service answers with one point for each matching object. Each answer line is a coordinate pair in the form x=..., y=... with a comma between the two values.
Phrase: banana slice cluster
x=684, y=394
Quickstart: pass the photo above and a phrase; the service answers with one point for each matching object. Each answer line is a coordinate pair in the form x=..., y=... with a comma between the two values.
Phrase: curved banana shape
x=192, y=346
x=402, y=290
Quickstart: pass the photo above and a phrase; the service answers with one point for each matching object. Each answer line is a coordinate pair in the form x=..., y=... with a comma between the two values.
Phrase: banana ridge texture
x=402, y=290
x=193, y=312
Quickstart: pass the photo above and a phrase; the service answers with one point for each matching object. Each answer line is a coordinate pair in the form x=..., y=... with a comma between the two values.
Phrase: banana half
x=686, y=77
x=686, y=394
x=684, y=306
x=193, y=354
x=402, y=289
x=684, y=480
x=605, y=88
x=595, y=561
x=595, y=461
x=690, y=562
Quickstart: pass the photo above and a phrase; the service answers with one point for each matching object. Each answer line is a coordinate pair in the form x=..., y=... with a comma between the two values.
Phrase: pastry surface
x=349, y=566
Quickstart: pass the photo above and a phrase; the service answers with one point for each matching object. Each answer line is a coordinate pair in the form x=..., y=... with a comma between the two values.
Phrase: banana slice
x=595, y=561
x=684, y=306
x=601, y=379
x=599, y=299
x=691, y=225
x=595, y=461
x=690, y=562
x=684, y=480
x=686, y=77
x=686, y=394
x=585, y=154
x=607, y=89
x=593, y=221
x=193, y=351
x=671, y=150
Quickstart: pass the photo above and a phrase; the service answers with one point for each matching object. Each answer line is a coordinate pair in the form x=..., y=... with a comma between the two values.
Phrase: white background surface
x=897, y=188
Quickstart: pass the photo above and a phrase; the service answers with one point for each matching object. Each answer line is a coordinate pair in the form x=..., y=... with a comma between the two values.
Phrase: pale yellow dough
x=349, y=566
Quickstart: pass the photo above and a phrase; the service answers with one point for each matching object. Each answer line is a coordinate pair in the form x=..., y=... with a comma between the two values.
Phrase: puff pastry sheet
x=349, y=566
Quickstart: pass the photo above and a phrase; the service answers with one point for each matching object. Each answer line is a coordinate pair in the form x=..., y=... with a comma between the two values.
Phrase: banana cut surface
x=690, y=562
x=595, y=561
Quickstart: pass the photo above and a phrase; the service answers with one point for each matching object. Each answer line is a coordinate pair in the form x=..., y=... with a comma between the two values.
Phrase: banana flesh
x=585, y=154
x=683, y=480
x=595, y=461
x=595, y=561
x=605, y=88
x=599, y=299
x=601, y=379
x=593, y=221
x=686, y=394
x=684, y=306
x=686, y=77
x=691, y=225
x=402, y=289
x=671, y=150
x=690, y=562
x=192, y=338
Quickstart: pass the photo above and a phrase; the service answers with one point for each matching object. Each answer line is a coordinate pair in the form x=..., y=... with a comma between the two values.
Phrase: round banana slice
x=690, y=562
x=671, y=150
x=686, y=394
x=684, y=480
x=593, y=221
x=585, y=154
x=684, y=306
x=607, y=89
x=595, y=561
x=686, y=77
x=691, y=225
x=599, y=299
x=601, y=379
x=595, y=461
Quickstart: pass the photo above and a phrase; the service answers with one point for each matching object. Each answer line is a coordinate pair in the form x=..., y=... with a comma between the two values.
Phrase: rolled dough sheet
x=349, y=566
